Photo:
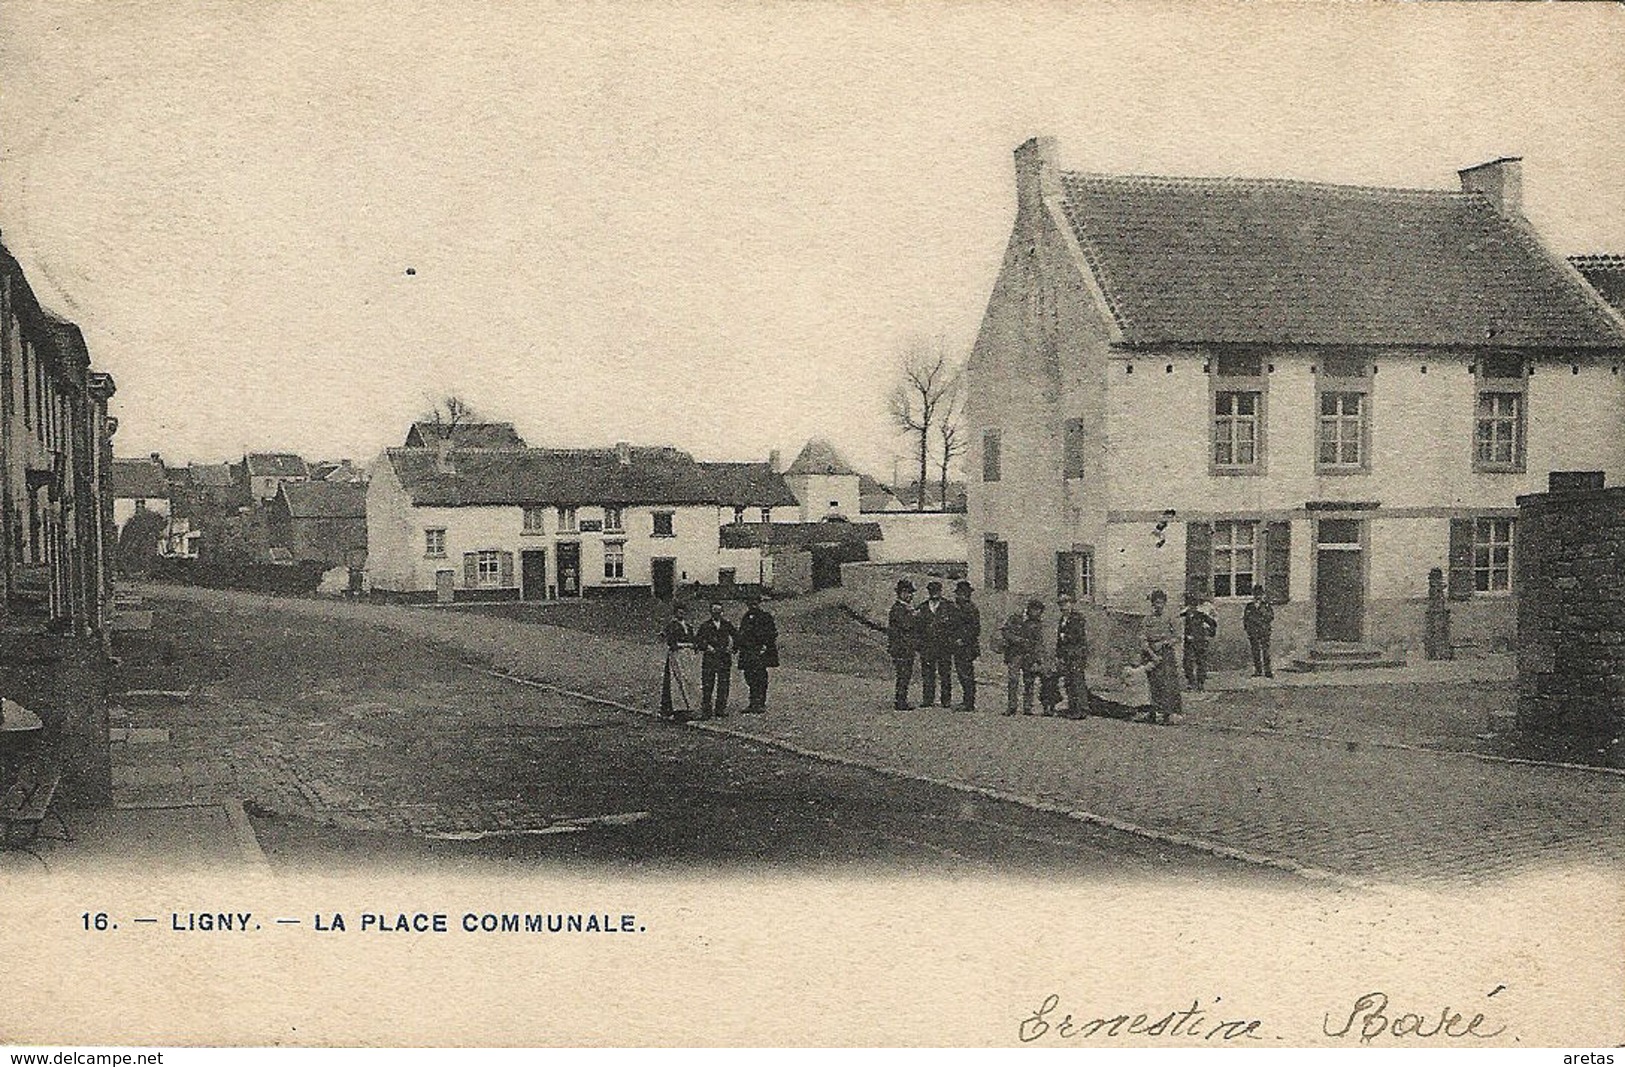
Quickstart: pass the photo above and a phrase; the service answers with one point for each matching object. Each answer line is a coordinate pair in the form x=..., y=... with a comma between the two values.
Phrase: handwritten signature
x=1193, y=1022
x=1371, y=1012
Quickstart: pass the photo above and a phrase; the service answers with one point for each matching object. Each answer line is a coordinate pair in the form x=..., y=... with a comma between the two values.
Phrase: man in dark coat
x=1072, y=656
x=715, y=639
x=967, y=644
x=937, y=626
x=1023, y=640
x=903, y=641
x=1258, y=619
x=758, y=644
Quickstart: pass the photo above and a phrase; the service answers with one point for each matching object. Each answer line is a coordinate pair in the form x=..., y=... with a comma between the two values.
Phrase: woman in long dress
x=1160, y=644
x=677, y=686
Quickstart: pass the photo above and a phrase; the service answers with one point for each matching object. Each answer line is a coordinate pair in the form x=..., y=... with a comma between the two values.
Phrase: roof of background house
x=654, y=475
x=325, y=500
x=819, y=456
x=1273, y=261
x=909, y=495
x=345, y=471
x=321, y=468
x=210, y=475
x=426, y=434
x=276, y=465
x=798, y=534
x=753, y=485
x=1606, y=273
x=135, y=479
x=873, y=496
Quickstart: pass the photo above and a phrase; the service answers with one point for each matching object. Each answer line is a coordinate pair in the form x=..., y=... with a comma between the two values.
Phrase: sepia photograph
x=848, y=524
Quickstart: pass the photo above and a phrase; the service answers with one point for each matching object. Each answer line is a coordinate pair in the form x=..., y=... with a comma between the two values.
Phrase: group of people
x=1050, y=662
x=715, y=643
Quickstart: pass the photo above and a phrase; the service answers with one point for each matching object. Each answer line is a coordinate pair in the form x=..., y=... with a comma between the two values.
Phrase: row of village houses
x=1198, y=385
x=470, y=512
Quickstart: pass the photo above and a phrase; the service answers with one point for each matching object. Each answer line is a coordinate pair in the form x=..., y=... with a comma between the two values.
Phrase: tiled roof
x=1267, y=261
x=210, y=475
x=276, y=465
x=798, y=534
x=748, y=485
x=136, y=479
x=1606, y=273
x=426, y=434
x=534, y=476
x=819, y=456
x=325, y=500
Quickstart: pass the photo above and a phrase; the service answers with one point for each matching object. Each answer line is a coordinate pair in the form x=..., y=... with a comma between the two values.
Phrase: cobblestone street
x=309, y=739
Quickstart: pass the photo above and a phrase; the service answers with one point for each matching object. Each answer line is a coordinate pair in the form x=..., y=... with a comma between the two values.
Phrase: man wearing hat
x=758, y=644
x=936, y=619
x=1023, y=636
x=903, y=641
x=967, y=643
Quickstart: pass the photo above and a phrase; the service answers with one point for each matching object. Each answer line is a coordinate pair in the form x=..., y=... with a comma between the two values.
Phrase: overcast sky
x=705, y=226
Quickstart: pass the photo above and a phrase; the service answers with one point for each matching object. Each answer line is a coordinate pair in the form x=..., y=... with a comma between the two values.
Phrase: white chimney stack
x=1038, y=172
x=623, y=453
x=1501, y=180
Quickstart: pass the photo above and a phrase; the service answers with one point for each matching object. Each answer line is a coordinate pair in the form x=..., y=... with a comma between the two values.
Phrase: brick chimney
x=623, y=453
x=1501, y=180
x=773, y=460
x=443, y=461
x=1038, y=172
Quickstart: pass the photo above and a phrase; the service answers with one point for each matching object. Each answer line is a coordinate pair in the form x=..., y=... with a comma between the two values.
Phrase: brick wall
x=1569, y=551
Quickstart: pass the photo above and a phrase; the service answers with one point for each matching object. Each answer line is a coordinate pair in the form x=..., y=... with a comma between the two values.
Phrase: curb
x=243, y=830
x=1213, y=848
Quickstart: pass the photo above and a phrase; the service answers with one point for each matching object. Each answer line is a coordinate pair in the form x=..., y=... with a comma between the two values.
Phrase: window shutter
x=1066, y=574
x=471, y=569
x=507, y=568
x=1461, y=559
x=1278, y=561
x=1199, y=559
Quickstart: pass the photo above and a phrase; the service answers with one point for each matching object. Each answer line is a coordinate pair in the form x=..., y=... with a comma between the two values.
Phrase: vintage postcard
x=936, y=524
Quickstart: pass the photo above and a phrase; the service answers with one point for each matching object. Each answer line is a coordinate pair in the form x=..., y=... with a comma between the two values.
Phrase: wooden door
x=1339, y=581
x=533, y=574
x=569, y=568
x=663, y=574
x=443, y=586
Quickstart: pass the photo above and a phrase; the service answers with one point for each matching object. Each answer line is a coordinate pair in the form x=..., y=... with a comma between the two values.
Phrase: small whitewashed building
x=1203, y=384
x=267, y=471
x=533, y=524
x=139, y=485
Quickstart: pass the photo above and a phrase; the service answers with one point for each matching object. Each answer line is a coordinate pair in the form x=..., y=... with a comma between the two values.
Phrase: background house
x=265, y=473
x=1202, y=384
x=426, y=434
x=537, y=524
x=139, y=485
x=320, y=521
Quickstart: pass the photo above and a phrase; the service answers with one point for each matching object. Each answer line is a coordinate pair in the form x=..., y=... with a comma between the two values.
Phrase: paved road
x=351, y=743
x=1354, y=809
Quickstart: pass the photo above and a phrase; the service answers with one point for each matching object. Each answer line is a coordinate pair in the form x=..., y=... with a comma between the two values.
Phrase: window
x=665, y=524
x=1075, y=574
x=739, y=515
x=1342, y=430
x=434, y=543
x=1492, y=555
x=490, y=567
x=991, y=459
x=726, y=577
x=1235, y=429
x=996, y=564
x=1499, y=429
x=612, y=520
x=767, y=514
x=1234, y=558
x=141, y=504
x=1501, y=414
x=535, y=520
x=614, y=561
x=567, y=519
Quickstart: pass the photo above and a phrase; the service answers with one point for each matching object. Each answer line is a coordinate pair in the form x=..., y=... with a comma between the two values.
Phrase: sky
x=293, y=226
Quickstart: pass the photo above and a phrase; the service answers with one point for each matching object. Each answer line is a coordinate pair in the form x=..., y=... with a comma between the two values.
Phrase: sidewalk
x=191, y=836
x=1339, y=805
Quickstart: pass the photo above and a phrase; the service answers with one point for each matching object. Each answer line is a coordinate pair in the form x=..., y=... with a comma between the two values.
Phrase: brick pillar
x=1569, y=555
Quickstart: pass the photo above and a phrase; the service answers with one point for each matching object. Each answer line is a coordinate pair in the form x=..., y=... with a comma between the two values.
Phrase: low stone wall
x=1569, y=556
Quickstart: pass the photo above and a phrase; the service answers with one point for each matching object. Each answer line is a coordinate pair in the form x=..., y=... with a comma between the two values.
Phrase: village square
x=549, y=441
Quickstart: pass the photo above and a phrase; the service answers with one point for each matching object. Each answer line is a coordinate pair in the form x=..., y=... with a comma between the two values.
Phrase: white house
x=1204, y=384
x=266, y=471
x=139, y=485
x=538, y=524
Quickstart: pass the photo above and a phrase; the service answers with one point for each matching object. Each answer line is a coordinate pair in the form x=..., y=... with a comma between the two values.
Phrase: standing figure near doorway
x=1258, y=619
x=1160, y=649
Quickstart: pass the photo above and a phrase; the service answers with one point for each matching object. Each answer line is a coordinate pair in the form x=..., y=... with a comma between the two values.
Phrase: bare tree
x=452, y=411
x=950, y=435
x=928, y=374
